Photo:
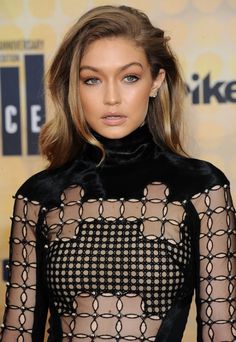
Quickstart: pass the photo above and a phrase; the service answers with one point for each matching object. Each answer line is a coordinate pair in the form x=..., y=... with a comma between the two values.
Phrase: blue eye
x=131, y=78
x=91, y=81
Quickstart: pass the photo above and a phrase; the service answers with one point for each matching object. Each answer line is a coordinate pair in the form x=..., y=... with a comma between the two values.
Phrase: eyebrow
x=121, y=69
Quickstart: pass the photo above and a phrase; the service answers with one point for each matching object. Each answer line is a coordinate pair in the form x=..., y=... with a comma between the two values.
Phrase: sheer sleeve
x=216, y=278
x=22, y=295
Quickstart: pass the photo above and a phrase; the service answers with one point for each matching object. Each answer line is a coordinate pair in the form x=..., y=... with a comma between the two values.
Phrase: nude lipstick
x=114, y=119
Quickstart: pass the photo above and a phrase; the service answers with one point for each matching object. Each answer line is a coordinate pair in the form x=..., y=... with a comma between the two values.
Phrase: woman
x=115, y=235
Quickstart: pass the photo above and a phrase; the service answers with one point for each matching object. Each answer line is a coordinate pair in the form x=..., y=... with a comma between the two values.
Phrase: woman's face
x=115, y=85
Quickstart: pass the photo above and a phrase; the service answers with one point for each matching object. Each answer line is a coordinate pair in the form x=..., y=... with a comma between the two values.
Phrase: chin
x=116, y=133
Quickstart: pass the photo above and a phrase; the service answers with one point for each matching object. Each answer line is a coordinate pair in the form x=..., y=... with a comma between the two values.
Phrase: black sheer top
x=115, y=251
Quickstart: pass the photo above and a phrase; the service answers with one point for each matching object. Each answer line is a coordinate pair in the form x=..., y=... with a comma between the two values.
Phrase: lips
x=113, y=116
x=112, y=119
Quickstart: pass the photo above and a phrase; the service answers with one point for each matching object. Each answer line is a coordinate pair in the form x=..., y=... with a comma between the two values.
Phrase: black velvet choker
x=136, y=146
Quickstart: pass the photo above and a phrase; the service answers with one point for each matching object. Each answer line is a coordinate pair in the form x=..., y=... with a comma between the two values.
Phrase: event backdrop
x=203, y=36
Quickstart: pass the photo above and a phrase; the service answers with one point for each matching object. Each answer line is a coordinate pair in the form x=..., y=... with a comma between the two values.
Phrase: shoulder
x=202, y=171
x=191, y=175
x=46, y=186
x=35, y=187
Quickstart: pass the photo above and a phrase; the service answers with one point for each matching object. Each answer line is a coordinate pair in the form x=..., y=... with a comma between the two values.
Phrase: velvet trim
x=172, y=328
x=138, y=145
x=41, y=305
x=131, y=163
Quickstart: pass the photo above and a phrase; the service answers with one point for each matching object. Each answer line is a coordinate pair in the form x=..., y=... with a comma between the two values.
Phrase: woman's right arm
x=26, y=298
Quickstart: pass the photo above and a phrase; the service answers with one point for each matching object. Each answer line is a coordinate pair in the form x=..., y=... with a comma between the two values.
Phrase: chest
x=108, y=245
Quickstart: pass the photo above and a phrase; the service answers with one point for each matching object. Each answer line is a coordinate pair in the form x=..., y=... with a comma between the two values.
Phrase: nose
x=112, y=94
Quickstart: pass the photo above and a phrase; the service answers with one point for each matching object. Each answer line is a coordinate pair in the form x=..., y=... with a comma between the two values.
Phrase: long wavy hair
x=63, y=137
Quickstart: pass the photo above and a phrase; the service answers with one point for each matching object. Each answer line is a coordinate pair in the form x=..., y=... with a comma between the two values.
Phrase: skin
x=115, y=79
x=115, y=86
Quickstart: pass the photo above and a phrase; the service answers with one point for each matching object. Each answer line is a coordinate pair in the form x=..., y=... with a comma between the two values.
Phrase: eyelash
x=88, y=80
x=134, y=77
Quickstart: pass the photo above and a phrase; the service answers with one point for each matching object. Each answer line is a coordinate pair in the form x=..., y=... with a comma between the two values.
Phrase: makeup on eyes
x=128, y=78
x=88, y=72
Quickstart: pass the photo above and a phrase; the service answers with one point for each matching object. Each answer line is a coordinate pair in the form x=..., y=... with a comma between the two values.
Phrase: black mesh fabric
x=116, y=267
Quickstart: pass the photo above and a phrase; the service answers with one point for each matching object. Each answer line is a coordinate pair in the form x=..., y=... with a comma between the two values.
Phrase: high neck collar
x=136, y=146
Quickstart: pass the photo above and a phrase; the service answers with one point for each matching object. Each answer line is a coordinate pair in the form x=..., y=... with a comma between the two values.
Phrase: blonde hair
x=62, y=138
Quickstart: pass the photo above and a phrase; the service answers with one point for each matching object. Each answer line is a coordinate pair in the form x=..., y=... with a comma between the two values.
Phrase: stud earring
x=153, y=95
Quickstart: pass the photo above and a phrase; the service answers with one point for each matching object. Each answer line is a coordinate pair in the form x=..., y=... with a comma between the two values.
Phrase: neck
x=136, y=146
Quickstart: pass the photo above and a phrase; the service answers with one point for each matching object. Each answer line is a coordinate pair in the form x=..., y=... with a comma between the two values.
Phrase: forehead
x=113, y=51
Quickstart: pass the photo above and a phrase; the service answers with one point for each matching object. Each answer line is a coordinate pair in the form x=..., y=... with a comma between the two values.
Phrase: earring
x=153, y=95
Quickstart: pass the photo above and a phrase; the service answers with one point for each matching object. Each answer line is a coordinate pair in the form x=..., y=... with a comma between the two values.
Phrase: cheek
x=138, y=99
x=88, y=101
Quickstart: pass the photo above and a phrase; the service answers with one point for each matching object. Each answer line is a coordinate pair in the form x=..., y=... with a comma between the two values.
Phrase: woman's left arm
x=216, y=276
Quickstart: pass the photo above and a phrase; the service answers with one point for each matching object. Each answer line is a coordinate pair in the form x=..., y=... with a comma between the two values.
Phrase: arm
x=216, y=276
x=23, y=307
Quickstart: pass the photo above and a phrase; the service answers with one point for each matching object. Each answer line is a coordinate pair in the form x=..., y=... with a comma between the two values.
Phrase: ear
x=157, y=82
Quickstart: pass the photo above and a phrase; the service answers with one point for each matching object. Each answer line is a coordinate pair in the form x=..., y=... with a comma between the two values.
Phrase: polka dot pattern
x=120, y=248
x=105, y=265
x=44, y=9
x=11, y=10
x=207, y=7
x=73, y=8
x=173, y=7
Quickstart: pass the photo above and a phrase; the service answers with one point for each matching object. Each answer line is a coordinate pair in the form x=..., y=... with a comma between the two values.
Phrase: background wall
x=203, y=36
